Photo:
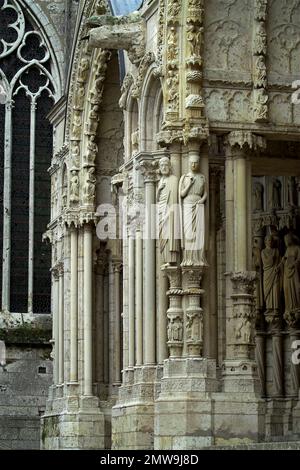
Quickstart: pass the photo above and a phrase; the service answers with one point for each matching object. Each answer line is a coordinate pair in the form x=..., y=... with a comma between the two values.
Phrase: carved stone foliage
x=260, y=95
x=283, y=39
x=228, y=33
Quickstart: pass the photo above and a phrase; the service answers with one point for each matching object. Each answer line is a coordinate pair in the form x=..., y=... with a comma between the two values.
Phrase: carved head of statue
x=290, y=239
x=269, y=241
x=165, y=166
x=194, y=163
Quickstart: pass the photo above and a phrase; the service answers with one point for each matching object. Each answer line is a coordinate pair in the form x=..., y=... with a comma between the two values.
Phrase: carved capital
x=244, y=282
x=149, y=169
x=245, y=140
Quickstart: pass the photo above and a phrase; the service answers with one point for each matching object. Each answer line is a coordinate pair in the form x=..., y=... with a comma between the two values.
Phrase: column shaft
x=117, y=345
x=139, y=298
x=74, y=307
x=150, y=276
x=131, y=302
x=61, y=328
x=88, y=311
x=241, y=213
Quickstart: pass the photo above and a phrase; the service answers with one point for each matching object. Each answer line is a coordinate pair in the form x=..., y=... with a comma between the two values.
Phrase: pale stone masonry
x=192, y=344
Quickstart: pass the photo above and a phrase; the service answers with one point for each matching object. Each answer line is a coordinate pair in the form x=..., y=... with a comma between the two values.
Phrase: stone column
x=139, y=297
x=55, y=322
x=162, y=348
x=175, y=312
x=74, y=307
x=192, y=277
x=212, y=261
x=99, y=306
x=87, y=309
x=131, y=302
x=117, y=266
x=61, y=312
x=148, y=168
x=241, y=317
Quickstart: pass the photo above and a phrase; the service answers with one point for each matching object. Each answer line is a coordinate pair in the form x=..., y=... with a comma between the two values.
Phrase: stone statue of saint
x=193, y=194
x=74, y=187
x=271, y=266
x=258, y=266
x=291, y=277
x=276, y=194
x=167, y=199
x=258, y=192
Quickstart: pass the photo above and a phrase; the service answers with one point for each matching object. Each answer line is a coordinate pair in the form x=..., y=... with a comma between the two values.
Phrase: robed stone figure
x=271, y=278
x=167, y=200
x=291, y=277
x=193, y=194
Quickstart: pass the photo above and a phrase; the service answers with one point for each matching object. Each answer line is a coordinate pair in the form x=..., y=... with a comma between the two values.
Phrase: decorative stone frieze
x=260, y=92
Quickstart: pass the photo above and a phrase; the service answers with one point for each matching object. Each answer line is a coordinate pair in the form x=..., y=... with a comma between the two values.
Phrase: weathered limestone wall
x=24, y=384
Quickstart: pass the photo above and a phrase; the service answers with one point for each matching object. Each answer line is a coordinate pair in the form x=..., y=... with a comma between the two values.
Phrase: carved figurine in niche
x=75, y=153
x=172, y=83
x=135, y=142
x=291, y=191
x=260, y=106
x=260, y=72
x=97, y=90
x=76, y=128
x=243, y=330
x=167, y=199
x=89, y=188
x=276, y=194
x=92, y=150
x=175, y=330
x=258, y=196
x=192, y=196
x=74, y=186
x=172, y=45
x=93, y=120
x=194, y=37
x=79, y=97
x=271, y=277
x=83, y=72
x=291, y=276
x=258, y=266
x=193, y=327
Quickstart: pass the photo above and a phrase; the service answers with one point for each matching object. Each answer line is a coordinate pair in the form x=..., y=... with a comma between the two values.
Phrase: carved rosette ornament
x=175, y=312
x=192, y=277
x=243, y=318
x=260, y=94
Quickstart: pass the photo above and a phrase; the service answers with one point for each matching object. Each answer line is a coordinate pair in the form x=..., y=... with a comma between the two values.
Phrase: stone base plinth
x=296, y=418
x=133, y=415
x=241, y=376
x=184, y=410
x=79, y=425
x=239, y=419
x=279, y=419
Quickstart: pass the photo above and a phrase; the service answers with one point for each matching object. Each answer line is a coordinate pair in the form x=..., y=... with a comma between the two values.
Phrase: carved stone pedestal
x=239, y=410
x=79, y=425
x=133, y=415
x=184, y=408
